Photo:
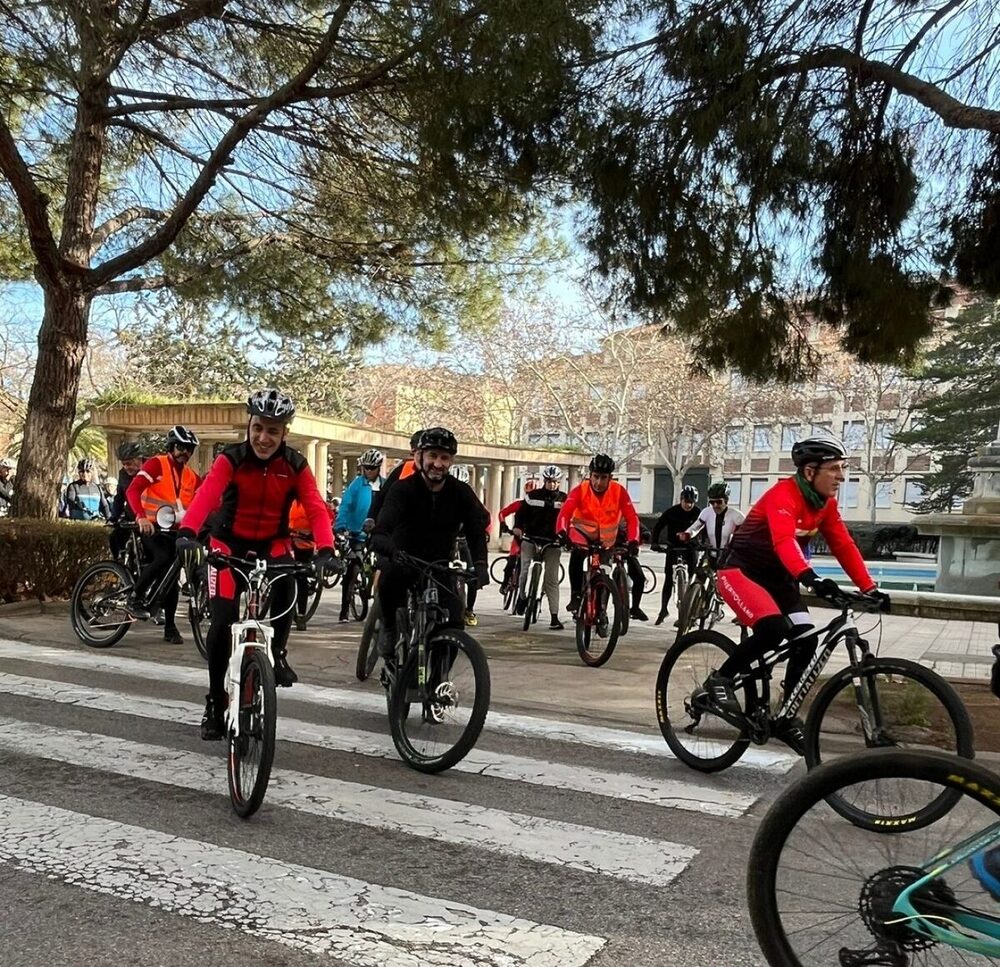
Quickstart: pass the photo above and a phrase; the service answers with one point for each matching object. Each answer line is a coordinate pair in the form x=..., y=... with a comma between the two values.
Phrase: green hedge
x=43, y=558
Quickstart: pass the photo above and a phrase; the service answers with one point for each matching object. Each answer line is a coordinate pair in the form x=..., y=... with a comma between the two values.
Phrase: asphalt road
x=560, y=841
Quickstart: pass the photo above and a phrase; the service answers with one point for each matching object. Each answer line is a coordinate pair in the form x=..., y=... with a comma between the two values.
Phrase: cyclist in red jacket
x=766, y=564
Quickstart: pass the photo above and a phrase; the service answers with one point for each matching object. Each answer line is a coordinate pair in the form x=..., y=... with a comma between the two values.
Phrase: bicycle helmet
x=461, y=473
x=551, y=472
x=181, y=436
x=438, y=438
x=719, y=491
x=415, y=439
x=370, y=459
x=271, y=404
x=5, y=464
x=85, y=466
x=602, y=463
x=128, y=450
x=690, y=493
x=817, y=449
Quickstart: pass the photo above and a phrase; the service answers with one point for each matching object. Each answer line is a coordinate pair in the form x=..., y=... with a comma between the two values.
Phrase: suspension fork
x=865, y=688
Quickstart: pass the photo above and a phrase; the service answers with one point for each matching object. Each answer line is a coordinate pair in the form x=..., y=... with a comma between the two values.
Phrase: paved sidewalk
x=537, y=672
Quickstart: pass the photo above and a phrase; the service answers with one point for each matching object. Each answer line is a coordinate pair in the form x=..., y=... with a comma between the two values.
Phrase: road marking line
x=298, y=906
x=578, y=733
x=667, y=793
x=604, y=852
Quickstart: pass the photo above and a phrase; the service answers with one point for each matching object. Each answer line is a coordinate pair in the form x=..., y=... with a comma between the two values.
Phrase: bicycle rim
x=699, y=739
x=598, y=620
x=908, y=707
x=314, y=600
x=97, y=605
x=650, y=580
x=251, y=753
x=435, y=727
x=497, y=566
x=821, y=891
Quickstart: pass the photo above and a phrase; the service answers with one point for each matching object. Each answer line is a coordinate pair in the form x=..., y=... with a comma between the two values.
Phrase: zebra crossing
x=541, y=804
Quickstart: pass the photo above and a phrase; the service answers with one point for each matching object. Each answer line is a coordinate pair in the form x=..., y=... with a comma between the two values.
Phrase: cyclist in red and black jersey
x=249, y=492
x=766, y=564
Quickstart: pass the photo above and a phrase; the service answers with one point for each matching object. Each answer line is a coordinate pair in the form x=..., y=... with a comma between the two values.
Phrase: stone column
x=321, y=468
x=507, y=487
x=336, y=481
x=311, y=446
x=474, y=478
x=493, y=504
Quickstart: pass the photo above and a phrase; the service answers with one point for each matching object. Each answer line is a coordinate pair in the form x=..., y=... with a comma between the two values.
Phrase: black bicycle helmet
x=415, y=439
x=438, y=438
x=602, y=463
x=271, y=404
x=689, y=493
x=128, y=450
x=719, y=491
x=817, y=449
x=181, y=436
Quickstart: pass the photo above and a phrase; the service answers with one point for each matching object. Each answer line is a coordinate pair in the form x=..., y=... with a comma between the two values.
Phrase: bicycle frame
x=945, y=860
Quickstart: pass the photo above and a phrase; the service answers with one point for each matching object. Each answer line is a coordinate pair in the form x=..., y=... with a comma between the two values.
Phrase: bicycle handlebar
x=243, y=564
x=449, y=567
x=857, y=601
x=542, y=543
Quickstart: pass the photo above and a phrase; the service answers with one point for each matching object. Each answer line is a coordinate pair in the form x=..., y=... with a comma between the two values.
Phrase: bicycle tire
x=605, y=590
x=672, y=710
x=562, y=572
x=623, y=593
x=199, y=615
x=79, y=614
x=531, y=605
x=438, y=649
x=963, y=777
x=688, y=608
x=497, y=566
x=927, y=681
x=359, y=598
x=368, y=646
x=314, y=600
x=680, y=584
x=649, y=579
x=258, y=710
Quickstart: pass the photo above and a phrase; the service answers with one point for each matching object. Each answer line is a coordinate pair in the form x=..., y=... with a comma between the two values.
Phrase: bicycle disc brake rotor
x=881, y=891
x=445, y=697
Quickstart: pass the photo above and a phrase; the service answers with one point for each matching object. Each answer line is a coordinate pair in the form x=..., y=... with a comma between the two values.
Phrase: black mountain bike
x=601, y=613
x=875, y=702
x=534, y=584
x=438, y=682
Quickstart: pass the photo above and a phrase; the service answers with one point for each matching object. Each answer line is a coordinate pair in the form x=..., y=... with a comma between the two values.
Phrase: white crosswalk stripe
x=320, y=910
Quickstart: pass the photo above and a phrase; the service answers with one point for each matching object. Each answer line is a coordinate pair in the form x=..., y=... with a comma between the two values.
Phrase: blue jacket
x=354, y=506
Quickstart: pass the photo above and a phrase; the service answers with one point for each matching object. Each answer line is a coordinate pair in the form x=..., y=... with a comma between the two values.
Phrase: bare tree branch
x=124, y=218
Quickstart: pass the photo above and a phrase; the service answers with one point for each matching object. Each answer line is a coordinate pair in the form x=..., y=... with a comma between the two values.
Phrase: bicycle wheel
x=908, y=707
x=359, y=597
x=368, y=646
x=531, y=605
x=435, y=727
x=821, y=892
x=598, y=620
x=251, y=753
x=97, y=608
x=621, y=582
x=649, y=579
x=562, y=572
x=699, y=739
x=316, y=588
x=497, y=567
x=689, y=608
x=199, y=614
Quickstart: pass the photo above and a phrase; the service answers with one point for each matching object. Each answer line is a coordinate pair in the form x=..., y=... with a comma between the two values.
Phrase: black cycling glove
x=191, y=552
x=821, y=587
x=327, y=563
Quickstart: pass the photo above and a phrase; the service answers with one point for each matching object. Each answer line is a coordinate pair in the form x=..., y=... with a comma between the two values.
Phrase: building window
x=822, y=429
x=854, y=434
x=851, y=488
x=758, y=485
x=885, y=430
x=534, y=439
x=883, y=495
x=790, y=435
x=634, y=487
x=735, y=485
x=553, y=439
x=734, y=439
x=591, y=440
x=913, y=491
x=761, y=439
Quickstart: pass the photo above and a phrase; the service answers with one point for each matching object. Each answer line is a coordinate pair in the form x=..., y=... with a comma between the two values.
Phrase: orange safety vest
x=163, y=492
x=409, y=468
x=298, y=519
x=599, y=515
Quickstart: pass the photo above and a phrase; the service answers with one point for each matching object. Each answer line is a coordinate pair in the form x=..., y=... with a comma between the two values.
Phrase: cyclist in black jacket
x=422, y=515
x=392, y=478
x=536, y=517
x=665, y=538
x=130, y=455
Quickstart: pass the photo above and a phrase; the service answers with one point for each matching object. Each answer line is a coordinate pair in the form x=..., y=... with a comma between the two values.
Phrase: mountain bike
x=883, y=702
x=600, y=614
x=701, y=605
x=99, y=612
x=901, y=893
x=252, y=707
x=622, y=581
x=438, y=681
x=508, y=588
x=361, y=591
x=534, y=584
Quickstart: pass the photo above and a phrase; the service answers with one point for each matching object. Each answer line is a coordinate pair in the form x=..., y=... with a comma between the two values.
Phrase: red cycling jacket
x=252, y=497
x=773, y=538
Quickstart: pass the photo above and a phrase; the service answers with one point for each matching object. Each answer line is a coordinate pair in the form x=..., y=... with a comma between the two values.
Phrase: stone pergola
x=331, y=446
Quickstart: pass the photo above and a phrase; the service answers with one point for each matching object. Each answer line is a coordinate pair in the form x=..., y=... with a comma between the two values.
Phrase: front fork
x=866, y=690
x=245, y=635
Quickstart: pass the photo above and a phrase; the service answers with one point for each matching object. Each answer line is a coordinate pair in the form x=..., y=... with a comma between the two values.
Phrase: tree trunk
x=62, y=341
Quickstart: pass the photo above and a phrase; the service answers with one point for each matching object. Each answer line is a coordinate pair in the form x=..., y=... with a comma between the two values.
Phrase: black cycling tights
x=768, y=633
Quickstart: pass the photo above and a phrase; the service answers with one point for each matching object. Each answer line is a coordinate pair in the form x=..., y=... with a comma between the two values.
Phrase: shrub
x=43, y=558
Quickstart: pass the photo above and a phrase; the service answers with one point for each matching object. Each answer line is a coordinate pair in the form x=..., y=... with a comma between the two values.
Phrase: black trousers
x=160, y=551
x=393, y=583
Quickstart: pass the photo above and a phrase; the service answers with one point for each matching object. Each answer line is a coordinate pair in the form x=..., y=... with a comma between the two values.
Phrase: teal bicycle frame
x=929, y=925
